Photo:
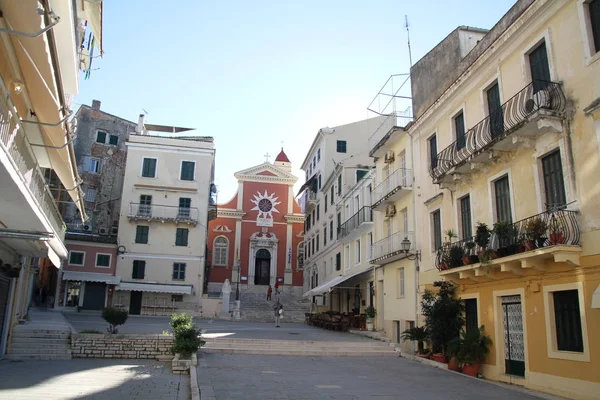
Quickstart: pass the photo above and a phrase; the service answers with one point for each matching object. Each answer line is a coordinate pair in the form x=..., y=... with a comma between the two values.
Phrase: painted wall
x=91, y=250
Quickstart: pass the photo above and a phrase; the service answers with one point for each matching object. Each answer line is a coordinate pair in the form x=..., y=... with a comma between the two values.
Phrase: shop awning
x=90, y=277
x=596, y=298
x=330, y=284
x=155, y=287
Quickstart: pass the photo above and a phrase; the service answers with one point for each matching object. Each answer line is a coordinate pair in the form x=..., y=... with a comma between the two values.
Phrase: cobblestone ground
x=252, y=377
x=91, y=379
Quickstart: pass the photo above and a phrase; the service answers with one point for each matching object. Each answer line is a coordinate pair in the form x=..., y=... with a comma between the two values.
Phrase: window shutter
x=86, y=163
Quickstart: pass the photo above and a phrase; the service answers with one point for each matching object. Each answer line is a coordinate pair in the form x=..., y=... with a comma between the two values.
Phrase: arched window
x=220, y=250
x=300, y=255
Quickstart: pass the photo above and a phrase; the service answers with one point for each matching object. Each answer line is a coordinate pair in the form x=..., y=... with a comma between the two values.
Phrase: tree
x=114, y=317
x=443, y=313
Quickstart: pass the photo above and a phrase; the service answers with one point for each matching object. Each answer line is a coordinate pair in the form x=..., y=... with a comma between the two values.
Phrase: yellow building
x=509, y=135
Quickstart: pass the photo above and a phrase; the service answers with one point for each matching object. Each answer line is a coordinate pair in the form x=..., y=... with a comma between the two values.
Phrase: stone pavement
x=91, y=379
x=252, y=377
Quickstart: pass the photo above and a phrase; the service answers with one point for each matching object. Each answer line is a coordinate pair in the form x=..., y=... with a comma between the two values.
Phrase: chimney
x=96, y=105
x=140, y=127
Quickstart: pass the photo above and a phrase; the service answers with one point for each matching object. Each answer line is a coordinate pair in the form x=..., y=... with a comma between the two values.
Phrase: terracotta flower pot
x=530, y=245
x=425, y=355
x=453, y=365
x=439, y=357
x=556, y=238
x=471, y=369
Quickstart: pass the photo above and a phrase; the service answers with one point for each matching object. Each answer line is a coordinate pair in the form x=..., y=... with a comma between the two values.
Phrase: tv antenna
x=408, y=35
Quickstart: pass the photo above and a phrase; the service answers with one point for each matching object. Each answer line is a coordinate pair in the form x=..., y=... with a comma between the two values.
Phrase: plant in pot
x=114, y=317
x=450, y=234
x=455, y=256
x=470, y=257
x=482, y=236
x=535, y=231
x=507, y=234
x=186, y=342
x=453, y=350
x=443, y=313
x=371, y=313
x=443, y=259
x=556, y=232
x=417, y=334
x=474, y=348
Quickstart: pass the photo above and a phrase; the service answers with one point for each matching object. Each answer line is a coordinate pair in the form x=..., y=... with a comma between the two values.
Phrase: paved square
x=91, y=379
x=256, y=377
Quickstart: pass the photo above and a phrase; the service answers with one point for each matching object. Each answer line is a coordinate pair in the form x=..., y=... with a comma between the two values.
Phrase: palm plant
x=416, y=334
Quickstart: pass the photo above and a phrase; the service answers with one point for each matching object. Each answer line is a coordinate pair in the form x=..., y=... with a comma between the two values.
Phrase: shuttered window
x=360, y=173
x=433, y=160
x=101, y=137
x=141, y=234
x=341, y=146
x=540, y=70
x=459, y=128
x=188, y=169
x=503, y=208
x=465, y=217
x=139, y=269
x=568, y=321
x=338, y=261
x=179, y=271
x=113, y=140
x=436, y=223
x=149, y=168
x=471, y=323
x=330, y=230
x=181, y=237
x=594, y=9
x=554, y=184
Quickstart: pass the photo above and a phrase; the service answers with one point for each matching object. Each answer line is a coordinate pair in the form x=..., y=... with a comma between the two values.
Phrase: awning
x=90, y=277
x=307, y=184
x=155, y=287
x=327, y=286
x=596, y=298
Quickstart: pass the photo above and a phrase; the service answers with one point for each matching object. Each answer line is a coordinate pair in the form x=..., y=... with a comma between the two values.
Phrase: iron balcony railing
x=311, y=196
x=551, y=228
x=393, y=245
x=363, y=215
x=397, y=180
x=16, y=146
x=162, y=212
x=538, y=95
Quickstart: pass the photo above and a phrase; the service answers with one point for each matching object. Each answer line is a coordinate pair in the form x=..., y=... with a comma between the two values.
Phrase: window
x=76, y=258
x=325, y=204
x=338, y=261
x=357, y=252
x=554, y=184
x=436, y=227
x=331, y=230
x=339, y=224
x=400, y=283
x=502, y=196
x=471, y=322
x=540, y=69
x=113, y=140
x=347, y=256
x=317, y=240
x=318, y=212
x=312, y=244
x=139, y=269
x=324, y=237
x=145, y=207
x=594, y=12
x=184, y=207
x=370, y=245
x=149, y=168
x=95, y=165
x=181, y=237
x=314, y=163
x=341, y=146
x=465, y=217
x=179, y=271
x=176, y=298
x=103, y=260
x=101, y=137
x=188, y=169
x=220, y=250
x=459, y=130
x=141, y=234
x=90, y=194
x=331, y=194
x=360, y=173
x=433, y=160
x=308, y=223
x=567, y=318
x=300, y=255
x=495, y=111
x=339, y=185
x=319, y=182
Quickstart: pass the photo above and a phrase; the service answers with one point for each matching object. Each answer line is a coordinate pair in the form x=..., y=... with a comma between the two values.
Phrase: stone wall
x=85, y=345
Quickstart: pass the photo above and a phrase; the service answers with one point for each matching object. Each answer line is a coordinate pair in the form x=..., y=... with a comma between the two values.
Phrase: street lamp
x=405, y=246
x=237, y=287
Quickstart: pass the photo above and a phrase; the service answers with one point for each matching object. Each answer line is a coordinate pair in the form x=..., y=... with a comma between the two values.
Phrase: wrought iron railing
x=551, y=228
x=363, y=215
x=393, y=245
x=536, y=96
x=311, y=196
x=399, y=179
x=162, y=212
x=16, y=146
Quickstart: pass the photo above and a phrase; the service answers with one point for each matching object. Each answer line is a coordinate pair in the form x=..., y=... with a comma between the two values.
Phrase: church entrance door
x=262, y=267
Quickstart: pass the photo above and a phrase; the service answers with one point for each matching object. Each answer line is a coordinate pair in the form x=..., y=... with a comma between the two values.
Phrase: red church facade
x=257, y=237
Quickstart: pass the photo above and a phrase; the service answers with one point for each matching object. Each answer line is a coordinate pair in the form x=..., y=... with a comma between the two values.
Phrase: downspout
x=61, y=98
x=417, y=266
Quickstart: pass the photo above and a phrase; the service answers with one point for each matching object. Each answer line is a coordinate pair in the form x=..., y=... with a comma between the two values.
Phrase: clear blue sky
x=255, y=73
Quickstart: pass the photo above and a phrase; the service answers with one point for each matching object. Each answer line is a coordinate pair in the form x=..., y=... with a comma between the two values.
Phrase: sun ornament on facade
x=265, y=204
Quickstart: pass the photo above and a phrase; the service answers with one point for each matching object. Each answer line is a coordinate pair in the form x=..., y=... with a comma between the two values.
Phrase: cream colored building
x=511, y=133
x=163, y=224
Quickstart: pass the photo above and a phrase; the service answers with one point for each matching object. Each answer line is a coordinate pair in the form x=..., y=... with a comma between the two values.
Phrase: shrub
x=114, y=317
x=90, y=331
x=187, y=336
x=179, y=320
x=443, y=315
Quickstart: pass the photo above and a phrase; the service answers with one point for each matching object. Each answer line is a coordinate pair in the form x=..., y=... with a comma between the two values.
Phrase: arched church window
x=300, y=255
x=220, y=251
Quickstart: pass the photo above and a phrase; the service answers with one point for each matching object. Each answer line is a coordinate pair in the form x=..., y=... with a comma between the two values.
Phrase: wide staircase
x=255, y=307
x=299, y=348
x=45, y=336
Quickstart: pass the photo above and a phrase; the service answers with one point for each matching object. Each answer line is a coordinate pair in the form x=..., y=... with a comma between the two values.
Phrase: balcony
x=393, y=188
x=212, y=203
x=361, y=219
x=535, y=110
x=391, y=248
x=310, y=199
x=21, y=167
x=551, y=236
x=161, y=213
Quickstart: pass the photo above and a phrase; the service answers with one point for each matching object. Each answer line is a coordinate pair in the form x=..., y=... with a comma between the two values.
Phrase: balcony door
x=403, y=177
x=495, y=111
x=503, y=207
x=145, y=205
x=553, y=181
x=540, y=69
x=514, y=344
x=184, y=207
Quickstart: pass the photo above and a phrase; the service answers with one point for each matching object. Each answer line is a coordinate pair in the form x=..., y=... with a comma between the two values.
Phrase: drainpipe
x=414, y=212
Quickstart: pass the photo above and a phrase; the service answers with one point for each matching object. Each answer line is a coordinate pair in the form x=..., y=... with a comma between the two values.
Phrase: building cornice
x=251, y=174
x=230, y=213
x=294, y=218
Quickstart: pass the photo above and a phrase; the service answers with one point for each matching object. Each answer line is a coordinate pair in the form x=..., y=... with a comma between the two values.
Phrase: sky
x=256, y=74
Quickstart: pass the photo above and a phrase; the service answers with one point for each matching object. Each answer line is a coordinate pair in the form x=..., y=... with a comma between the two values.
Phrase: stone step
x=32, y=340
x=303, y=352
x=242, y=342
x=41, y=336
x=18, y=346
x=35, y=332
x=34, y=356
x=40, y=350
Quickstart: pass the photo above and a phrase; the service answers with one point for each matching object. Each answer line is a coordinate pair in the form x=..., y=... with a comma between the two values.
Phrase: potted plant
x=186, y=342
x=474, y=347
x=506, y=234
x=453, y=350
x=535, y=231
x=443, y=313
x=443, y=259
x=556, y=233
x=472, y=257
x=450, y=234
x=114, y=317
x=455, y=256
x=417, y=334
x=482, y=236
x=371, y=313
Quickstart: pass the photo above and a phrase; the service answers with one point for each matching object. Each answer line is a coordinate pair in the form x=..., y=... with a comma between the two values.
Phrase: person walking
x=276, y=287
x=269, y=293
x=278, y=310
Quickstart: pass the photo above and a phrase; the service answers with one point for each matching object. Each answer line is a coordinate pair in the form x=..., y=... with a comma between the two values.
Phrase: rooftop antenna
x=145, y=112
x=408, y=34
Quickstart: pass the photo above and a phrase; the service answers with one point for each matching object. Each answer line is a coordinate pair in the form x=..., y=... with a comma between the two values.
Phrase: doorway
x=94, y=295
x=262, y=267
x=379, y=305
x=135, y=303
x=514, y=344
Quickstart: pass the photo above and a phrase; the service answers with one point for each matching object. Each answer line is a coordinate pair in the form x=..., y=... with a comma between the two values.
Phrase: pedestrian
x=269, y=293
x=277, y=287
x=278, y=311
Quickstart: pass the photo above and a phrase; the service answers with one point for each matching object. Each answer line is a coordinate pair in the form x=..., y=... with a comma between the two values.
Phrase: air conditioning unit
x=539, y=99
x=103, y=231
x=87, y=228
x=390, y=211
x=389, y=157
